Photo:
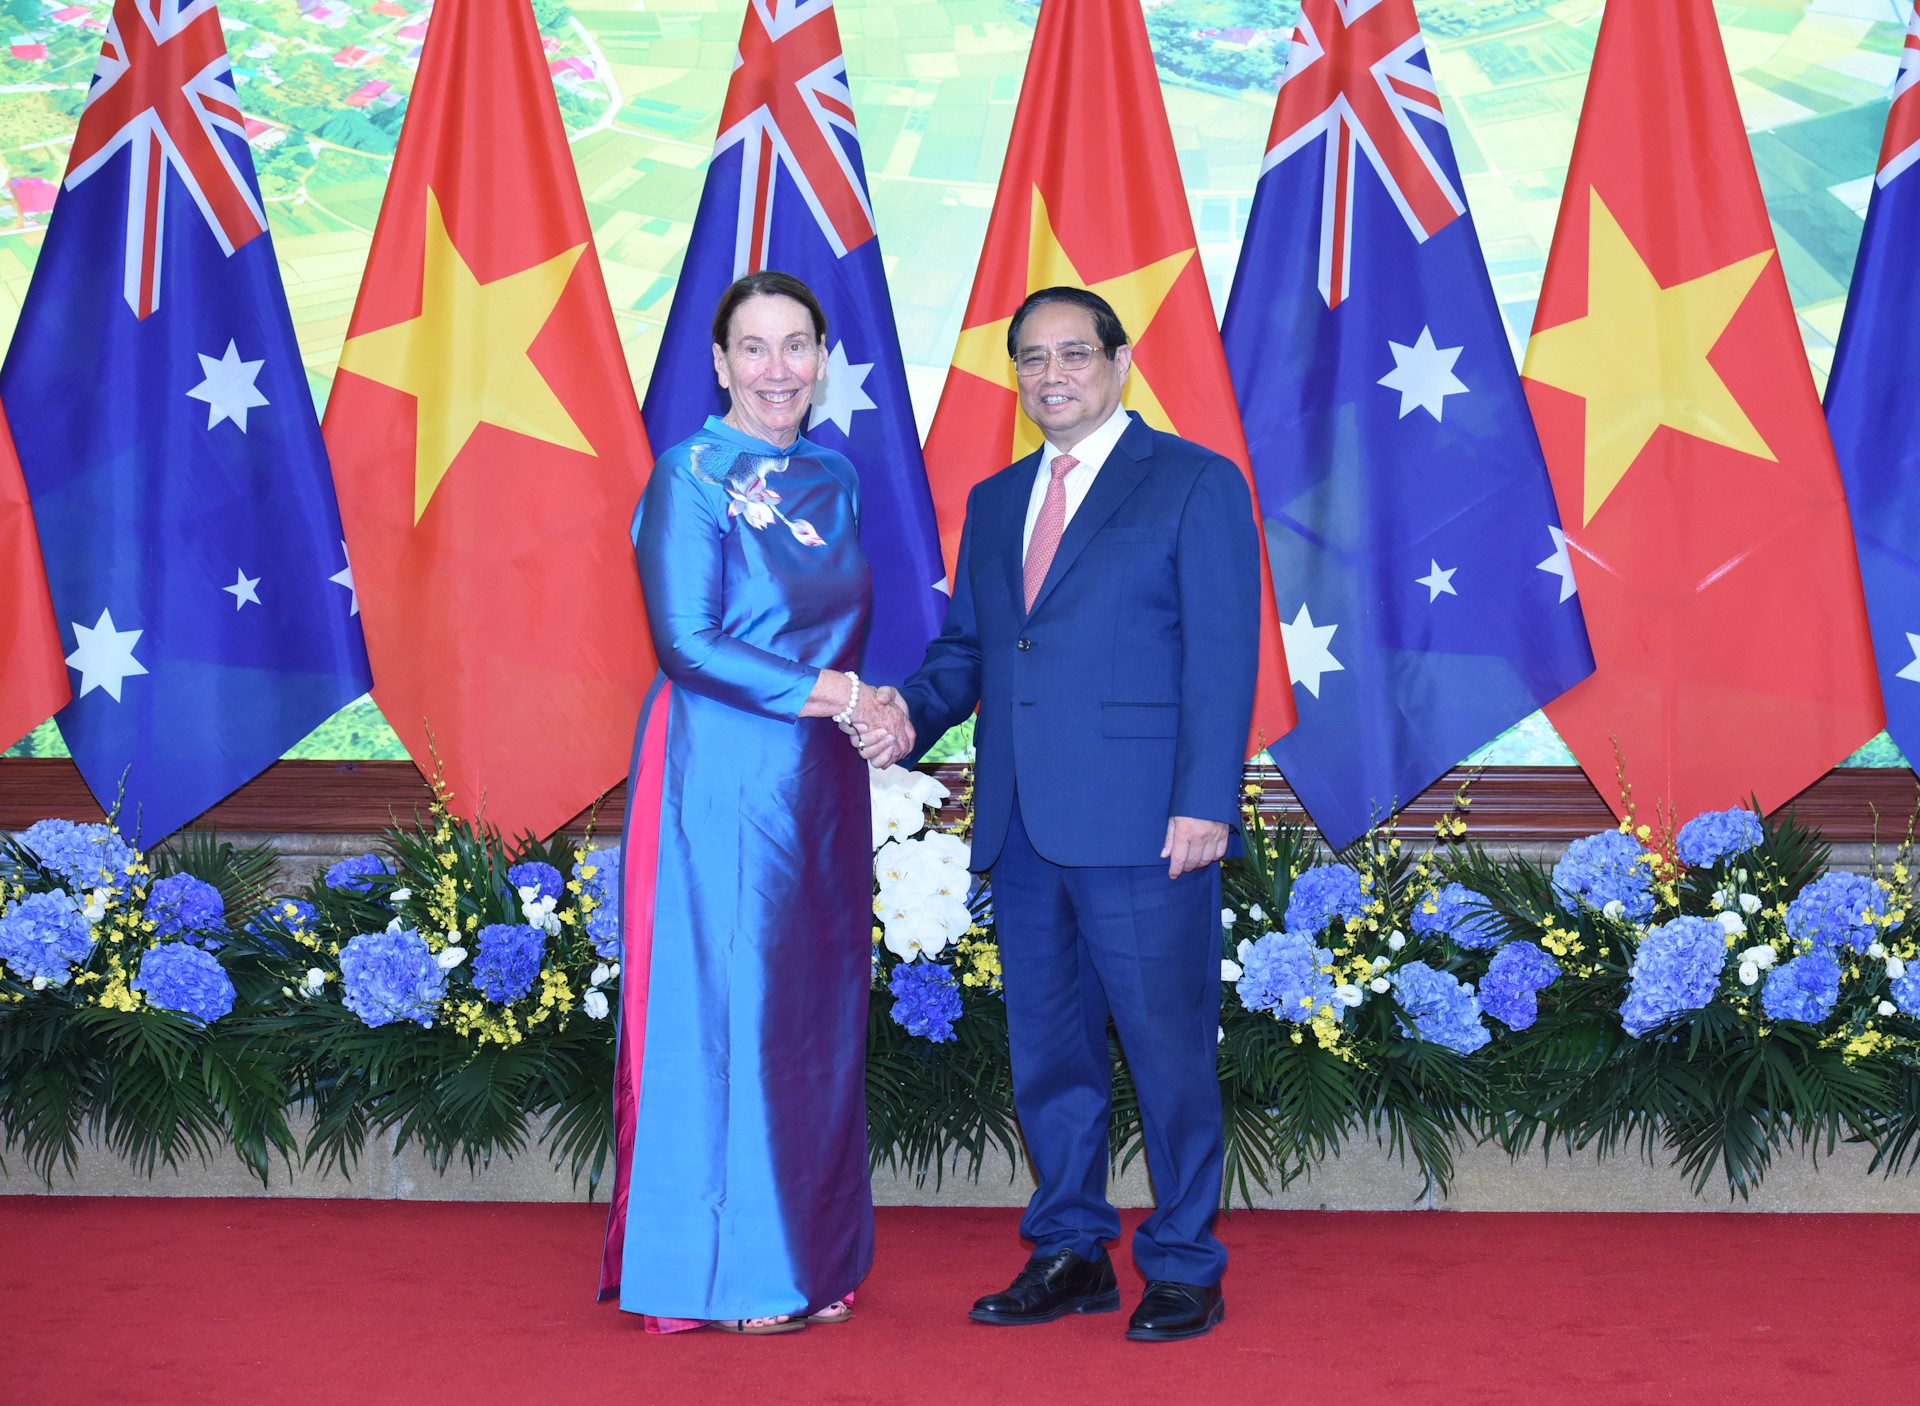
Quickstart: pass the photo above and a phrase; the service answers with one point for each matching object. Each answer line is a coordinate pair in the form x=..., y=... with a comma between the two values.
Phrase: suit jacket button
x=1023, y=644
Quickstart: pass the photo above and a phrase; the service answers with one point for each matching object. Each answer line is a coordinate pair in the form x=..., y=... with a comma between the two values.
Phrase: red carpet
x=128, y=1301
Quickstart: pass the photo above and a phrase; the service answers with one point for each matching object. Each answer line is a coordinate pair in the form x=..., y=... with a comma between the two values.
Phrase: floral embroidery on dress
x=751, y=496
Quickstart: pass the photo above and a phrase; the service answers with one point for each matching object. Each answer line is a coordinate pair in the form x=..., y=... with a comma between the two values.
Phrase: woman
x=740, y=1195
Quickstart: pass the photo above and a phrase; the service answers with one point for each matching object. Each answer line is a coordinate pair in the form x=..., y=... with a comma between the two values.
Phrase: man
x=1105, y=621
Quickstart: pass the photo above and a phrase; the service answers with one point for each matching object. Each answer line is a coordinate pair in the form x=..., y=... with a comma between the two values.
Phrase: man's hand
x=880, y=729
x=1193, y=844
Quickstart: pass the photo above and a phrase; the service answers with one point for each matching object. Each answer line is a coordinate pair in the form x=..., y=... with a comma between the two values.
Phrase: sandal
x=759, y=1327
x=839, y=1311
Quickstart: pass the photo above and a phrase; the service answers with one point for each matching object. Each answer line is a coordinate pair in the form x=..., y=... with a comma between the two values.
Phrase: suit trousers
x=1078, y=944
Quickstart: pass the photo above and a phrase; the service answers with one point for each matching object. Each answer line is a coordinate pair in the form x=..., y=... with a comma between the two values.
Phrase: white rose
x=451, y=957
x=1876, y=949
x=1722, y=897
x=1380, y=964
x=1730, y=924
x=1230, y=970
x=1886, y=1008
x=393, y=925
x=1228, y=917
x=1221, y=1038
x=1749, y=973
x=1615, y=908
x=1257, y=913
x=315, y=979
x=1749, y=904
x=601, y=975
x=1895, y=969
x=1380, y=986
x=1348, y=995
x=40, y=983
x=1396, y=940
x=402, y=895
x=1242, y=949
x=594, y=1003
x=550, y=925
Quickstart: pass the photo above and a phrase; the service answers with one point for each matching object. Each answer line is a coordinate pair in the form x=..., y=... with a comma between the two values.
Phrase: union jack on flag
x=789, y=105
x=786, y=190
x=162, y=87
x=1356, y=78
x=1901, y=146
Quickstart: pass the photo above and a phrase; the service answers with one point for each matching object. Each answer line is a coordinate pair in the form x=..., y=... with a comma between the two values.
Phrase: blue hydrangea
x=926, y=1000
x=181, y=977
x=1458, y=912
x=1322, y=894
x=83, y=856
x=1676, y=970
x=1444, y=1009
x=1708, y=839
x=353, y=874
x=183, y=906
x=603, y=923
x=391, y=976
x=43, y=935
x=1804, y=989
x=537, y=875
x=508, y=961
x=1515, y=977
x=1832, y=911
x=1605, y=868
x=1282, y=973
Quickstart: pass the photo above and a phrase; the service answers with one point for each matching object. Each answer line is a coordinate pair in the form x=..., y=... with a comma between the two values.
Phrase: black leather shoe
x=1170, y=1311
x=1052, y=1285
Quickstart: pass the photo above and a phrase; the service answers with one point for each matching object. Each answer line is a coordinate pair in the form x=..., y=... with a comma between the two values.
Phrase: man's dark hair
x=1106, y=322
x=768, y=283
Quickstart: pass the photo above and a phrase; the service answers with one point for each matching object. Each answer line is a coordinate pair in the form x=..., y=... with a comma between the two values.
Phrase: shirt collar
x=1094, y=449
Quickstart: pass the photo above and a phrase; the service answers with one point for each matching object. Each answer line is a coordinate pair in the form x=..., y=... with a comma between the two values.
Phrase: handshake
x=880, y=729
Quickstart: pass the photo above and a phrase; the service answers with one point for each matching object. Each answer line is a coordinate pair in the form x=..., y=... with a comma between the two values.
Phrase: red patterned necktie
x=1048, y=526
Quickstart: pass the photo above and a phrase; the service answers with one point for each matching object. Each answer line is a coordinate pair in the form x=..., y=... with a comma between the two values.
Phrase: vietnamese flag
x=488, y=447
x=1703, y=511
x=1091, y=195
x=34, y=685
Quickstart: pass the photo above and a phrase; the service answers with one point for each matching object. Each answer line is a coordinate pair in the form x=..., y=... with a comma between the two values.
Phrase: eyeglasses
x=1074, y=356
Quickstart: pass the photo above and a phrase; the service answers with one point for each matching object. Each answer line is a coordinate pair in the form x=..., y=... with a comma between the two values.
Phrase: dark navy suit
x=1121, y=700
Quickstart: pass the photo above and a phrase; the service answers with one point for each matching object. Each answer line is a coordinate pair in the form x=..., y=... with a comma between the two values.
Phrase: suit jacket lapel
x=1125, y=467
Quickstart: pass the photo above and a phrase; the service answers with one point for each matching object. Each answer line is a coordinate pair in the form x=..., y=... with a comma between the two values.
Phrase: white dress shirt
x=1091, y=452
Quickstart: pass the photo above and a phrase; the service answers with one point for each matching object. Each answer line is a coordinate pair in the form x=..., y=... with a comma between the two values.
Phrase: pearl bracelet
x=845, y=715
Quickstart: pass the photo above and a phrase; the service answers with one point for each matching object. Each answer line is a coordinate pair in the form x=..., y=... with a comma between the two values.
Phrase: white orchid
x=923, y=924
x=900, y=800
x=451, y=957
x=594, y=1003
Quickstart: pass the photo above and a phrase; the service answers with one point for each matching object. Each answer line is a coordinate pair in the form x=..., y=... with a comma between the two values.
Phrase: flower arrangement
x=131, y=996
x=454, y=988
x=1714, y=995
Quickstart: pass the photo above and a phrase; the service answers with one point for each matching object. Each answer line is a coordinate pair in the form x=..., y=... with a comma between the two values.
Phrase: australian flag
x=786, y=190
x=168, y=438
x=1870, y=406
x=1424, y=588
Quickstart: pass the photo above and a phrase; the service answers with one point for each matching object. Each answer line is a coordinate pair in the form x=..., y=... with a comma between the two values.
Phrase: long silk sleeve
x=678, y=538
